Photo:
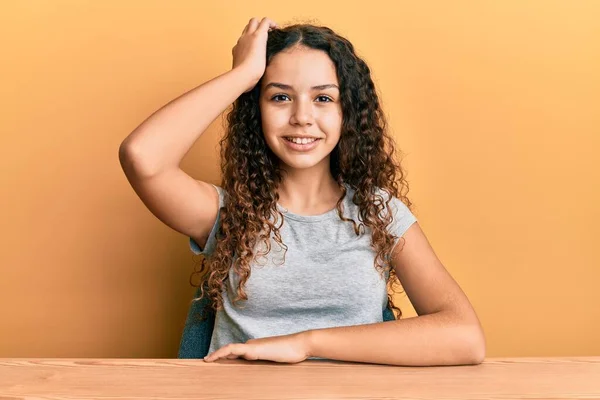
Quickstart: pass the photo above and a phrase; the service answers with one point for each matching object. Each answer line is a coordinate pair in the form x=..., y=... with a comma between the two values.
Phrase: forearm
x=165, y=137
x=434, y=339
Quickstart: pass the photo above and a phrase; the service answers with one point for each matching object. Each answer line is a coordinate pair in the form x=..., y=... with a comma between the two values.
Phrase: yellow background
x=495, y=103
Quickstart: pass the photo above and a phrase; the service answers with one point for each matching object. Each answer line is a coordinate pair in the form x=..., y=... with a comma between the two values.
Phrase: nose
x=302, y=113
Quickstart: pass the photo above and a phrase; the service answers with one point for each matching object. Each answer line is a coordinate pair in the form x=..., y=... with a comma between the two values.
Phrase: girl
x=302, y=233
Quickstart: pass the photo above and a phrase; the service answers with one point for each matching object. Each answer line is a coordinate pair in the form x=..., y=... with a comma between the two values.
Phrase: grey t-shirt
x=328, y=278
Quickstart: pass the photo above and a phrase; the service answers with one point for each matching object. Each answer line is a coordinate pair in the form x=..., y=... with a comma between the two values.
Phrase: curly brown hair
x=364, y=159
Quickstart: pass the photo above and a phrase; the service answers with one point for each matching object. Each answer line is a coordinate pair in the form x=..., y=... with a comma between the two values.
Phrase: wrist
x=249, y=80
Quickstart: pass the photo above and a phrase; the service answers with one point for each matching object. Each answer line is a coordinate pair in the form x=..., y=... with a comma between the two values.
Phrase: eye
x=325, y=97
x=278, y=95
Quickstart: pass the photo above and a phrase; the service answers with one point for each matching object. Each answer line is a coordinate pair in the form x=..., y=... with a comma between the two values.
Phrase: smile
x=301, y=145
x=300, y=140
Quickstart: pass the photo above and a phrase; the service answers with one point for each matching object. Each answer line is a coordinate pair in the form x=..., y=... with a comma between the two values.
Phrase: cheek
x=331, y=123
x=273, y=120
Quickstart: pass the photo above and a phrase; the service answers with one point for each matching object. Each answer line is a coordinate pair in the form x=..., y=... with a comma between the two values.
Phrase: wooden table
x=496, y=378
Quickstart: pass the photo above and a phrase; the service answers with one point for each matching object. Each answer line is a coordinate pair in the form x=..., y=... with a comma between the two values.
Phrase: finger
x=222, y=352
x=266, y=24
x=247, y=25
x=225, y=352
x=252, y=25
x=212, y=357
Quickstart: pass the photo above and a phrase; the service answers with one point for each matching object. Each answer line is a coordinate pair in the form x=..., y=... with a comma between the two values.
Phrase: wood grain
x=496, y=378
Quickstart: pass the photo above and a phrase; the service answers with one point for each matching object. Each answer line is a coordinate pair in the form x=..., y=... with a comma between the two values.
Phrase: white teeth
x=301, y=141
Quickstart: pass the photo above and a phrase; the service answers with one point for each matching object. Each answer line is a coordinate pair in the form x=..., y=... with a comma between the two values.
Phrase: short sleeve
x=211, y=243
x=402, y=217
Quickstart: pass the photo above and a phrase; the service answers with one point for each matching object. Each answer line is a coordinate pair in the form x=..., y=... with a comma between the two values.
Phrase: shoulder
x=397, y=205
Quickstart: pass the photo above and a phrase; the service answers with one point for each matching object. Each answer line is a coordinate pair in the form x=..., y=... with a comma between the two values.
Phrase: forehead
x=301, y=67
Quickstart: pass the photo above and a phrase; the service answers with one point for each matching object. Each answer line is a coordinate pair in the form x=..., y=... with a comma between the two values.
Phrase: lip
x=301, y=147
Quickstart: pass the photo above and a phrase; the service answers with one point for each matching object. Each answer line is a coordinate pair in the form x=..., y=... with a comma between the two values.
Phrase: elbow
x=477, y=357
x=125, y=153
x=126, y=159
x=128, y=151
x=133, y=162
x=477, y=346
x=470, y=346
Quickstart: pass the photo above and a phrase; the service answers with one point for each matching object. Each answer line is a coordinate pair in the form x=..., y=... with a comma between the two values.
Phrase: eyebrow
x=288, y=87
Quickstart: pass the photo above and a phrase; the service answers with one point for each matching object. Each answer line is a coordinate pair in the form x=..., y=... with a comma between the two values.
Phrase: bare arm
x=164, y=138
x=150, y=156
x=443, y=338
x=446, y=332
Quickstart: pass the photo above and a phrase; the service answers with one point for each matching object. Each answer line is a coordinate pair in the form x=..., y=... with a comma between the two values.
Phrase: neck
x=309, y=190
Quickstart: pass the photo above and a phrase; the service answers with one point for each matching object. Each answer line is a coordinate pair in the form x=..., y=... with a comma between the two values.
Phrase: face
x=300, y=97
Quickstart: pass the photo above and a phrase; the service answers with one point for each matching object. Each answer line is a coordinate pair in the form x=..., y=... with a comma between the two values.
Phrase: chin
x=301, y=161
